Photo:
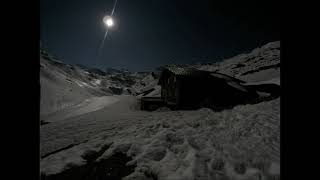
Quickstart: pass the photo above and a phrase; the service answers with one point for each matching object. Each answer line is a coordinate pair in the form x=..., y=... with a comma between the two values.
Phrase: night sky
x=150, y=33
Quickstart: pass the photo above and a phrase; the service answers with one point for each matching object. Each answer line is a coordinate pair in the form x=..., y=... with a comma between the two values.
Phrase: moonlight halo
x=108, y=21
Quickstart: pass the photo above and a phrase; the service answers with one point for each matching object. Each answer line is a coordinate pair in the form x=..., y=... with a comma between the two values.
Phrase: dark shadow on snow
x=113, y=168
x=42, y=122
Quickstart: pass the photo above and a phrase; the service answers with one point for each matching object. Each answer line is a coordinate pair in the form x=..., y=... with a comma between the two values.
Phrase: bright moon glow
x=108, y=21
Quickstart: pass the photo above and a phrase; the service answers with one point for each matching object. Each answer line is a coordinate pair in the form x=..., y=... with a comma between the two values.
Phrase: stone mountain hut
x=190, y=88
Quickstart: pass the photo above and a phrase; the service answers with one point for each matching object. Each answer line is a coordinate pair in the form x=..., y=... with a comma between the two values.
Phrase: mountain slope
x=61, y=86
x=261, y=64
x=64, y=85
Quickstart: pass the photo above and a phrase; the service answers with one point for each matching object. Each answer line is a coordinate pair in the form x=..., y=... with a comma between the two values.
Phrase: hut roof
x=185, y=71
x=193, y=72
x=182, y=71
x=226, y=77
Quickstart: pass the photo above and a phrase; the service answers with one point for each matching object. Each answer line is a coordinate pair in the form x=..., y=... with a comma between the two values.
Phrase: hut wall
x=192, y=92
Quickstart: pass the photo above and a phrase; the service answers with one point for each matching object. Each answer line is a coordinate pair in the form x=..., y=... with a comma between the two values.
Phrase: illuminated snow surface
x=240, y=143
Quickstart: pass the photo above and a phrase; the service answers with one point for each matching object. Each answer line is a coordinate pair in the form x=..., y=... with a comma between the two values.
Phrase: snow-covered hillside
x=64, y=85
x=261, y=64
x=104, y=134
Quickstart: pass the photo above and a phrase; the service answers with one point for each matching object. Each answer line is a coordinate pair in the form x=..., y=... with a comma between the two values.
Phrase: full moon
x=108, y=21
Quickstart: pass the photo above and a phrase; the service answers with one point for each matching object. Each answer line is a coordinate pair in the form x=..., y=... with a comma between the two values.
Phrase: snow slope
x=64, y=85
x=259, y=65
x=58, y=91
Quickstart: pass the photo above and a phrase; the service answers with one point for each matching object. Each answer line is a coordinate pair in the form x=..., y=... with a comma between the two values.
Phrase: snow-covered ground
x=86, y=106
x=239, y=143
x=242, y=143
